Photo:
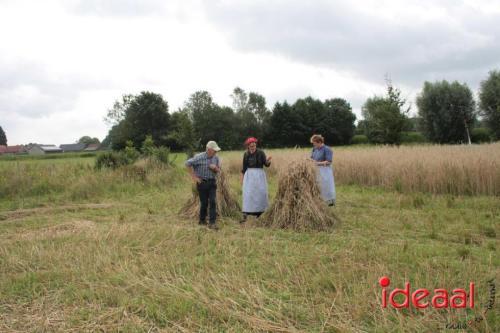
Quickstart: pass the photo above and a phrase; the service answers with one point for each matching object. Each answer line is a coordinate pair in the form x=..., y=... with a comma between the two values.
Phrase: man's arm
x=194, y=177
x=189, y=166
x=217, y=166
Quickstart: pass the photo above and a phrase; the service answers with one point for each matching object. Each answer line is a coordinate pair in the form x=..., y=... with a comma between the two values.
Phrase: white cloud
x=63, y=63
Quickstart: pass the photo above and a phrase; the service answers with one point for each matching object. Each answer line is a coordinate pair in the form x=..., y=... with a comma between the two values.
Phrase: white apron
x=326, y=182
x=255, y=191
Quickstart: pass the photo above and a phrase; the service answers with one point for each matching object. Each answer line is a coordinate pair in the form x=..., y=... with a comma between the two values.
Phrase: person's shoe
x=213, y=226
x=244, y=218
x=331, y=203
x=202, y=222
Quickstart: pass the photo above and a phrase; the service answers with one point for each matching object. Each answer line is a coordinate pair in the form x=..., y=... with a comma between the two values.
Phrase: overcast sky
x=64, y=62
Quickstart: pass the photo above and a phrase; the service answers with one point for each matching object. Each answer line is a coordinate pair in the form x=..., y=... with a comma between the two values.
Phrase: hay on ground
x=227, y=205
x=298, y=204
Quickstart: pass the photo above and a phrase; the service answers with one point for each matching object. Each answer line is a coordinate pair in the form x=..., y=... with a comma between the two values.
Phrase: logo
x=422, y=298
x=459, y=298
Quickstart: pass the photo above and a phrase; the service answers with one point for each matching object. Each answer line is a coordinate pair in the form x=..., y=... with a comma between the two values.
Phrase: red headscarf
x=250, y=140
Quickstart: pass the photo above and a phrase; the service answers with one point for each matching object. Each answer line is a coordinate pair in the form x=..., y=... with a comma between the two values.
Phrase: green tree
x=181, y=136
x=88, y=140
x=106, y=143
x=286, y=128
x=361, y=128
x=252, y=114
x=117, y=112
x=386, y=117
x=221, y=126
x=257, y=104
x=447, y=111
x=198, y=109
x=148, y=114
x=118, y=135
x=414, y=124
x=212, y=122
x=312, y=114
x=144, y=114
x=489, y=102
x=293, y=125
x=339, y=121
x=247, y=121
x=3, y=137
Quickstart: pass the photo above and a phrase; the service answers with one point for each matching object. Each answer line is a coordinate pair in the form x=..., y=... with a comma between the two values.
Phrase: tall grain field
x=457, y=170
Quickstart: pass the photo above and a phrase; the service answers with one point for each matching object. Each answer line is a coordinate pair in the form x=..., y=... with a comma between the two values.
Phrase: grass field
x=87, y=250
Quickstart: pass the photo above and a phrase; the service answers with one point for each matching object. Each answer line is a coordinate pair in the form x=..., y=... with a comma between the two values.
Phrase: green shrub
x=162, y=154
x=359, y=139
x=111, y=160
x=480, y=135
x=412, y=137
x=148, y=146
x=131, y=153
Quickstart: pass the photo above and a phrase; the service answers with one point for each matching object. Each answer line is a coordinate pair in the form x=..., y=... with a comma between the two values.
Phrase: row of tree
x=447, y=113
x=201, y=120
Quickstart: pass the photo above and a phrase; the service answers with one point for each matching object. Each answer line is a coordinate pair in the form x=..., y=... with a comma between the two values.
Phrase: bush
x=480, y=135
x=148, y=146
x=359, y=139
x=111, y=160
x=412, y=137
x=131, y=153
x=162, y=154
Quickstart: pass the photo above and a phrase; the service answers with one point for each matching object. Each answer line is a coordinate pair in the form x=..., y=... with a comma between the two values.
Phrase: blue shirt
x=200, y=163
x=324, y=153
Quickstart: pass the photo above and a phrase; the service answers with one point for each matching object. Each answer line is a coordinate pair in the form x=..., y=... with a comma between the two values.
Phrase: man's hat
x=213, y=145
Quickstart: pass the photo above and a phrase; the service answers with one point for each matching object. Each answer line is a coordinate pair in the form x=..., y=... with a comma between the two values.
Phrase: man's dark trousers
x=207, y=190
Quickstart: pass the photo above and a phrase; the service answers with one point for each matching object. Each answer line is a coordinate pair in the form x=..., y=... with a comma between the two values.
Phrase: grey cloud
x=338, y=35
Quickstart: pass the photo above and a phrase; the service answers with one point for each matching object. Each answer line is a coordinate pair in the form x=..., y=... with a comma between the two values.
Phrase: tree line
x=447, y=113
x=201, y=119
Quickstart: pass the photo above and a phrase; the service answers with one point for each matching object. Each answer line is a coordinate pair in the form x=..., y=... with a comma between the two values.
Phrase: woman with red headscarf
x=253, y=178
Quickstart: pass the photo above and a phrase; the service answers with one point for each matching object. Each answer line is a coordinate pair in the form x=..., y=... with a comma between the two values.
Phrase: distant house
x=73, y=147
x=44, y=149
x=11, y=150
x=93, y=147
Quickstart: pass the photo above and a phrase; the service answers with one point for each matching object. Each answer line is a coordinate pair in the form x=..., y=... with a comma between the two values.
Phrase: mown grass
x=120, y=258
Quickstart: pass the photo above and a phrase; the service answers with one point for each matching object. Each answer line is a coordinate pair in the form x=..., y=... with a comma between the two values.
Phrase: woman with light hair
x=253, y=179
x=322, y=156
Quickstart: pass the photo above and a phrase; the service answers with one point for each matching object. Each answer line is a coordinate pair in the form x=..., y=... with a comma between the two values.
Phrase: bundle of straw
x=298, y=204
x=227, y=205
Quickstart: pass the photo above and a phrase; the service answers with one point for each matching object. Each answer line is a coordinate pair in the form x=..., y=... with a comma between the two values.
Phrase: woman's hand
x=269, y=158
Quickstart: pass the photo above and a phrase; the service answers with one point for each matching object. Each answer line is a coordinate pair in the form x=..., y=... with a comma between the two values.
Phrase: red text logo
x=422, y=298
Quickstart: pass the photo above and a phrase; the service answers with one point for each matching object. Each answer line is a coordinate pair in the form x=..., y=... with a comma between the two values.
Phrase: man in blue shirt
x=203, y=169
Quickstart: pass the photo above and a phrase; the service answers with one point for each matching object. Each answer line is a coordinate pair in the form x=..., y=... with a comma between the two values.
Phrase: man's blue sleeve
x=193, y=160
